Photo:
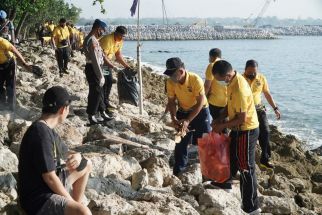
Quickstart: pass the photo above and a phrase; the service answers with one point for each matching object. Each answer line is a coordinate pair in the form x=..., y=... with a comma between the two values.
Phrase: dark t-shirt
x=37, y=156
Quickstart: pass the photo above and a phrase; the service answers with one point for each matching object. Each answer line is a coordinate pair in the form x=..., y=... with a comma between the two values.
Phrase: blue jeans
x=242, y=158
x=198, y=126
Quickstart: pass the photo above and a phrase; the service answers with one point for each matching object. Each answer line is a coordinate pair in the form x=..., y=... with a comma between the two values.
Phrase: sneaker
x=226, y=186
x=93, y=120
x=266, y=165
x=105, y=116
x=255, y=212
x=65, y=71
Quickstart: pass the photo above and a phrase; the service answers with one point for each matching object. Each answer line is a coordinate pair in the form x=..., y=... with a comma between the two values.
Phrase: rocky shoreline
x=129, y=179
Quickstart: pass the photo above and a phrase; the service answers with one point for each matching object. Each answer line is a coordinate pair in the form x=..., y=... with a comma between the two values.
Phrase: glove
x=102, y=81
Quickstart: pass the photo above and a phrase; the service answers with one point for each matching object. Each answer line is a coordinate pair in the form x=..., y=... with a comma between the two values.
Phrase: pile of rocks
x=128, y=179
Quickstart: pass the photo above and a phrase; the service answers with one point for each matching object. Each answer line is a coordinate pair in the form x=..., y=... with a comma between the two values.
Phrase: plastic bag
x=214, y=156
x=128, y=87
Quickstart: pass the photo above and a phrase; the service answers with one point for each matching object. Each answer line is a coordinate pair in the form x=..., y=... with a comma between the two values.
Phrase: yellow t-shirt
x=187, y=92
x=5, y=50
x=217, y=94
x=240, y=99
x=110, y=46
x=258, y=86
x=60, y=34
x=51, y=27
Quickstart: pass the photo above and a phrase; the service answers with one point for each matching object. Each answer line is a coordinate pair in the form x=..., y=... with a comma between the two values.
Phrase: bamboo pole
x=139, y=61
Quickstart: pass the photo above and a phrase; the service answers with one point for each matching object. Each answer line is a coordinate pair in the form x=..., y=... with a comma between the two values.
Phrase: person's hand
x=28, y=67
x=73, y=160
x=102, y=81
x=184, y=124
x=217, y=128
x=116, y=69
x=278, y=114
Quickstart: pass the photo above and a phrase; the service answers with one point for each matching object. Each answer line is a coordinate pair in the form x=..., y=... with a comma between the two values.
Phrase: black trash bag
x=37, y=71
x=128, y=87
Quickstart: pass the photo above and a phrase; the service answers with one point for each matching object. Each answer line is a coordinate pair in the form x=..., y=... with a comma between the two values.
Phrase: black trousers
x=215, y=112
x=62, y=56
x=7, y=79
x=95, y=94
x=107, y=88
x=263, y=137
x=242, y=158
x=200, y=124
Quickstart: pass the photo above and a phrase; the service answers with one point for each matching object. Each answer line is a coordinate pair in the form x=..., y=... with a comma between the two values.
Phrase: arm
x=207, y=86
x=272, y=103
x=197, y=108
x=108, y=62
x=94, y=58
x=239, y=119
x=172, y=107
x=54, y=183
x=119, y=58
x=53, y=40
x=21, y=59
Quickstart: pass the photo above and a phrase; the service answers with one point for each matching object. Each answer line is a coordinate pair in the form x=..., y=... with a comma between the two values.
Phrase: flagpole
x=139, y=61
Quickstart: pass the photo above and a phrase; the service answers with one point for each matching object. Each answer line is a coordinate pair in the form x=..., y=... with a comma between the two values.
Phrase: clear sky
x=204, y=8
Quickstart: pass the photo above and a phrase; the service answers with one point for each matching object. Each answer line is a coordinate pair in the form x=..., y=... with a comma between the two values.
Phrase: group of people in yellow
x=233, y=101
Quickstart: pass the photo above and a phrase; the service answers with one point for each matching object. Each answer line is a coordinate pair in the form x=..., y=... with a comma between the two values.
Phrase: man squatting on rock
x=52, y=180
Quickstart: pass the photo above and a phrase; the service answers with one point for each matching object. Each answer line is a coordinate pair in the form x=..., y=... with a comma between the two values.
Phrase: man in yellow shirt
x=216, y=93
x=61, y=43
x=244, y=124
x=192, y=114
x=112, y=46
x=259, y=85
x=7, y=72
x=50, y=27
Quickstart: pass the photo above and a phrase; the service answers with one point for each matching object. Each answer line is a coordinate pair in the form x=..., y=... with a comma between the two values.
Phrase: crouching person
x=52, y=180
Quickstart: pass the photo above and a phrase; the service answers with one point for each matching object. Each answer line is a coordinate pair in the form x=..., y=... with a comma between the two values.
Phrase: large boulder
x=192, y=175
x=140, y=179
x=17, y=128
x=218, y=201
x=111, y=163
x=158, y=170
x=111, y=204
x=8, y=160
x=276, y=205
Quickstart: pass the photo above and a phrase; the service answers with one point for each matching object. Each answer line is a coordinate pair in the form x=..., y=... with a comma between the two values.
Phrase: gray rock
x=192, y=175
x=276, y=205
x=111, y=163
x=8, y=160
x=140, y=179
x=317, y=177
x=17, y=129
x=7, y=181
x=111, y=204
x=111, y=185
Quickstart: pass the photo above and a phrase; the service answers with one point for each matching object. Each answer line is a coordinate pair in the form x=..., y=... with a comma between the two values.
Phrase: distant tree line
x=26, y=14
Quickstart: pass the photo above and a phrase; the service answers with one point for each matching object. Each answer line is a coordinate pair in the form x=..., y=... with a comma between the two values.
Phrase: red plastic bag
x=214, y=156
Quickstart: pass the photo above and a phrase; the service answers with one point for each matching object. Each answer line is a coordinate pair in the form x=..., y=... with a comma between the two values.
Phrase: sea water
x=292, y=65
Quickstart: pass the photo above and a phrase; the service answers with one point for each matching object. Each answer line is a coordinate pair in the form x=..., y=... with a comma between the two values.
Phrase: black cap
x=172, y=65
x=56, y=97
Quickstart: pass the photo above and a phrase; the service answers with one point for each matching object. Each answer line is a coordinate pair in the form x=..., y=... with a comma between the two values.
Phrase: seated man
x=46, y=168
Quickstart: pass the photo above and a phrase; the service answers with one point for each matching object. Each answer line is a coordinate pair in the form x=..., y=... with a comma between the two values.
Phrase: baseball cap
x=100, y=23
x=172, y=65
x=56, y=97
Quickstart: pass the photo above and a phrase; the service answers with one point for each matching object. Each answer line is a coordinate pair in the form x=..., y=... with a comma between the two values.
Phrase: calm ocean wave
x=292, y=65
